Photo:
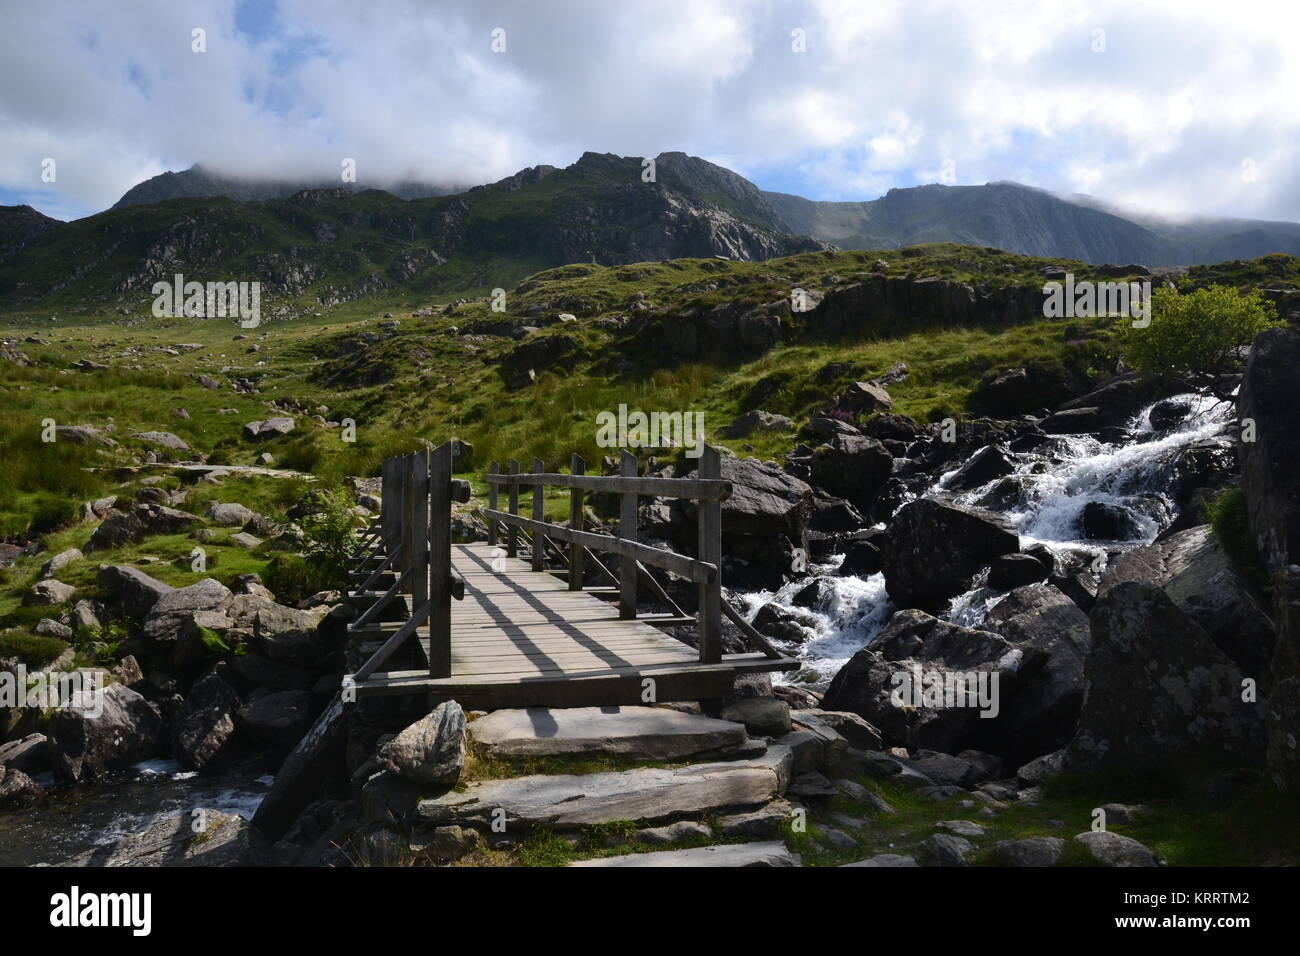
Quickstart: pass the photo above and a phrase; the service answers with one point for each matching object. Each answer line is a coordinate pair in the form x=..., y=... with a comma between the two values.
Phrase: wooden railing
x=707, y=489
x=414, y=535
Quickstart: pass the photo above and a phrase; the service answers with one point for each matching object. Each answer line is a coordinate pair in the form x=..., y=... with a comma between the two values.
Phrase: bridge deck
x=521, y=638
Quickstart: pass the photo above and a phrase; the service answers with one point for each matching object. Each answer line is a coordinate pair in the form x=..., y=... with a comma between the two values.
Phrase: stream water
x=74, y=819
x=1059, y=480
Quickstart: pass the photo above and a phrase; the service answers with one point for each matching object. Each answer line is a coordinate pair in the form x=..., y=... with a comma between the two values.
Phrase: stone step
x=650, y=733
x=645, y=796
x=773, y=853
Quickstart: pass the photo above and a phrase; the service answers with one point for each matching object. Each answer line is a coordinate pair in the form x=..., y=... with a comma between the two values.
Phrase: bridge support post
x=439, y=544
x=512, y=533
x=576, y=522
x=539, y=505
x=710, y=521
x=627, y=531
x=493, y=469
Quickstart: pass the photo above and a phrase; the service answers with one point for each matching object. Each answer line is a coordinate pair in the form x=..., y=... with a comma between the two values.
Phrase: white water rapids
x=1059, y=479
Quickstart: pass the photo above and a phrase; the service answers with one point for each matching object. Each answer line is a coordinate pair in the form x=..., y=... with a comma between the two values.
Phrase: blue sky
x=1174, y=107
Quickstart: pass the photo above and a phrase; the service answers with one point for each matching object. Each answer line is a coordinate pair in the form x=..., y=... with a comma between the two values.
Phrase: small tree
x=331, y=536
x=1196, y=336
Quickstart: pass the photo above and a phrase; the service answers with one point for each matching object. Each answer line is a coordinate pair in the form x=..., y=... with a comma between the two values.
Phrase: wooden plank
x=439, y=536
x=418, y=529
x=577, y=522
x=710, y=550
x=749, y=631
x=715, y=490
x=373, y=611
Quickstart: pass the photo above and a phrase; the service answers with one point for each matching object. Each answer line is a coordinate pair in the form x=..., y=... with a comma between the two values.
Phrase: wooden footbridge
x=535, y=616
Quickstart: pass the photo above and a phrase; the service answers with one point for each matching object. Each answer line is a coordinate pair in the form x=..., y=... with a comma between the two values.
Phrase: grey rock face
x=225, y=841
x=1159, y=694
x=206, y=723
x=1111, y=849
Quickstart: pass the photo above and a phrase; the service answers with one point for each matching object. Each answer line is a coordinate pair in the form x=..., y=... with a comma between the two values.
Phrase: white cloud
x=1163, y=118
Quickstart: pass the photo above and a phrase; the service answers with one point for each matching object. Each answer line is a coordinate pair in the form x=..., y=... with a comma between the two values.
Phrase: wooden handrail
x=700, y=572
x=701, y=489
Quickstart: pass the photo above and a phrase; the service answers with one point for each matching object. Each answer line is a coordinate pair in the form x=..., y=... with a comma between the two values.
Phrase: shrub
x=291, y=577
x=1227, y=515
x=1195, y=335
x=331, y=536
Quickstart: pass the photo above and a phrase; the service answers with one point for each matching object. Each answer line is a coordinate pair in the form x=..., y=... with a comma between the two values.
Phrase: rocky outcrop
x=651, y=733
x=201, y=837
x=1196, y=573
x=206, y=724
x=1159, y=696
x=1270, y=465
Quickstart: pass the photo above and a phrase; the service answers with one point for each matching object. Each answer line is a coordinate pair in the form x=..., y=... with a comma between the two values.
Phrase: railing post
x=576, y=521
x=493, y=469
x=419, y=532
x=512, y=533
x=710, y=519
x=440, y=561
x=627, y=530
x=539, y=513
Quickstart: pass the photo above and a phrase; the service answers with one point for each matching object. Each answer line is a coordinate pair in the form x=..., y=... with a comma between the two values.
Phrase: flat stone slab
x=730, y=854
x=644, y=796
x=653, y=733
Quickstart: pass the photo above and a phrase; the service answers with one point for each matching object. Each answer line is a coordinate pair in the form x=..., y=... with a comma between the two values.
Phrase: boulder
x=286, y=634
x=1196, y=573
x=1054, y=637
x=271, y=428
x=1270, y=465
x=862, y=558
x=48, y=593
x=762, y=716
x=944, y=849
x=988, y=463
x=934, y=549
x=102, y=730
x=1112, y=849
x=1013, y=570
x=133, y=591
x=852, y=467
x=116, y=530
x=1168, y=414
x=1102, y=521
x=430, y=751
x=757, y=421
x=1029, y=851
x=17, y=789
x=230, y=514
x=163, y=439
x=206, y=723
x=176, y=609
x=862, y=398
x=913, y=649
x=1159, y=696
x=83, y=435
x=60, y=561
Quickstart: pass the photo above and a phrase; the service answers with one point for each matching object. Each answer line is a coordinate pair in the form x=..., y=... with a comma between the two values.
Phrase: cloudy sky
x=1176, y=107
